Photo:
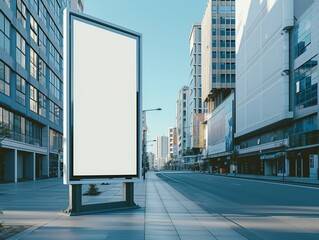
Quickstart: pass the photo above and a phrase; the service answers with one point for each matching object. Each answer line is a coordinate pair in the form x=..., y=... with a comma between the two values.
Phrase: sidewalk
x=165, y=214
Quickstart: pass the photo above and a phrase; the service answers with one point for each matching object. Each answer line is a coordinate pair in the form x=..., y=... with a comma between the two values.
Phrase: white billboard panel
x=102, y=100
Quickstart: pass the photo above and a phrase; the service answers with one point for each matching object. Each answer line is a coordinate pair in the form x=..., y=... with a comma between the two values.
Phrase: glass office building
x=31, y=88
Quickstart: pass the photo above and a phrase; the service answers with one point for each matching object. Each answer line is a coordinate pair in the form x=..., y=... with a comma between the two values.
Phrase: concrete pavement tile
x=161, y=237
x=162, y=233
x=198, y=233
x=195, y=237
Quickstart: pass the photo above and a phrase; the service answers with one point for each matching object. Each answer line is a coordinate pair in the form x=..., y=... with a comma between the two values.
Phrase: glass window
x=51, y=52
x=214, y=54
x=214, y=31
x=306, y=81
x=4, y=33
x=33, y=29
x=35, y=4
x=7, y=3
x=214, y=9
x=214, y=78
x=54, y=85
x=42, y=72
x=33, y=99
x=42, y=105
x=20, y=50
x=54, y=113
x=214, y=65
x=4, y=79
x=20, y=90
x=42, y=12
x=21, y=13
x=33, y=64
x=214, y=43
x=302, y=36
x=42, y=40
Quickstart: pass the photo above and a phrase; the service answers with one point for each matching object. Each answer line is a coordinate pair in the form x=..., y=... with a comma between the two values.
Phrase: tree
x=4, y=131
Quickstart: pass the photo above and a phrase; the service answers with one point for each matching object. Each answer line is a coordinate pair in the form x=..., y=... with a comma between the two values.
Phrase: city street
x=256, y=209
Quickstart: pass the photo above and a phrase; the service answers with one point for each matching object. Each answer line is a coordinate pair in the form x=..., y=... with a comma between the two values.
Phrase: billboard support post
x=77, y=208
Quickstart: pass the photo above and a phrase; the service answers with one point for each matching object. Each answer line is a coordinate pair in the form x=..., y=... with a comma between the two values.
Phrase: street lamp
x=144, y=137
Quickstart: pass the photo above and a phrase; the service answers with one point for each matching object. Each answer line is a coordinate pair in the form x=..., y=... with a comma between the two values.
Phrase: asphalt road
x=256, y=209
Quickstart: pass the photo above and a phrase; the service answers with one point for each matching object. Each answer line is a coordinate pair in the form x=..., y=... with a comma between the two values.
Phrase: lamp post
x=144, y=137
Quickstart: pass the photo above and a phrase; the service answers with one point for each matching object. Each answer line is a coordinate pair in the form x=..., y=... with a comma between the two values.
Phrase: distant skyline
x=165, y=26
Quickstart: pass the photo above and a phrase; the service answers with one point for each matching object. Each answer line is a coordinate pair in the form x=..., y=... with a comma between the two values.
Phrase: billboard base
x=77, y=208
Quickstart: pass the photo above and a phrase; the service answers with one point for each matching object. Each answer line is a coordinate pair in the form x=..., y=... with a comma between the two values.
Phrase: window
x=21, y=13
x=223, y=43
x=214, y=78
x=35, y=4
x=42, y=12
x=42, y=72
x=4, y=79
x=42, y=40
x=7, y=3
x=222, y=65
x=33, y=99
x=214, y=54
x=306, y=81
x=222, y=32
x=20, y=50
x=214, y=9
x=20, y=90
x=214, y=65
x=42, y=105
x=4, y=33
x=214, y=21
x=33, y=64
x=214, y=43
x=33, y=29
x=302, y=36
x=214, y=31
x=54, y=114
x=54, y=85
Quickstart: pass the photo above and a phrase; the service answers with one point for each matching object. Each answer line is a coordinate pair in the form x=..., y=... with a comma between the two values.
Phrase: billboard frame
x=68, y=104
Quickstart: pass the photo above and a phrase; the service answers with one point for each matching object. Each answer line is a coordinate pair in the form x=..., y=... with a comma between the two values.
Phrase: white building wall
x=261, y=91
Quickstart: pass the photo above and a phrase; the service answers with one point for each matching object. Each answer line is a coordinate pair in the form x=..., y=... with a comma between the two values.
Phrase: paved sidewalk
x=164, y=214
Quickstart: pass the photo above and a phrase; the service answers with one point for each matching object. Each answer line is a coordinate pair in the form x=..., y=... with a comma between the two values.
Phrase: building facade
x=172, y=143
x=196, y=110
x=161, y=152
x=218, y=81
x=31, y=65
x=276, y=87
x=182, y=122
x=218, y=52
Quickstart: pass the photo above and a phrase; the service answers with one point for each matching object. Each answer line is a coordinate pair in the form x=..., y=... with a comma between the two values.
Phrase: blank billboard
x=102, y=99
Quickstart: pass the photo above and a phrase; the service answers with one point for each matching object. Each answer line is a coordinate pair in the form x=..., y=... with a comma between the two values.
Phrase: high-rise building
x=172, y=143
x=161, y=152
x=277, y=87
x=31, y=84
x=182, y=121
x=218, y=52
x=218, y=81
x=196, y=112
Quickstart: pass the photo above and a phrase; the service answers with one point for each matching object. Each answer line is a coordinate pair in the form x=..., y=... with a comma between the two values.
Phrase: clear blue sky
x=165, y=26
